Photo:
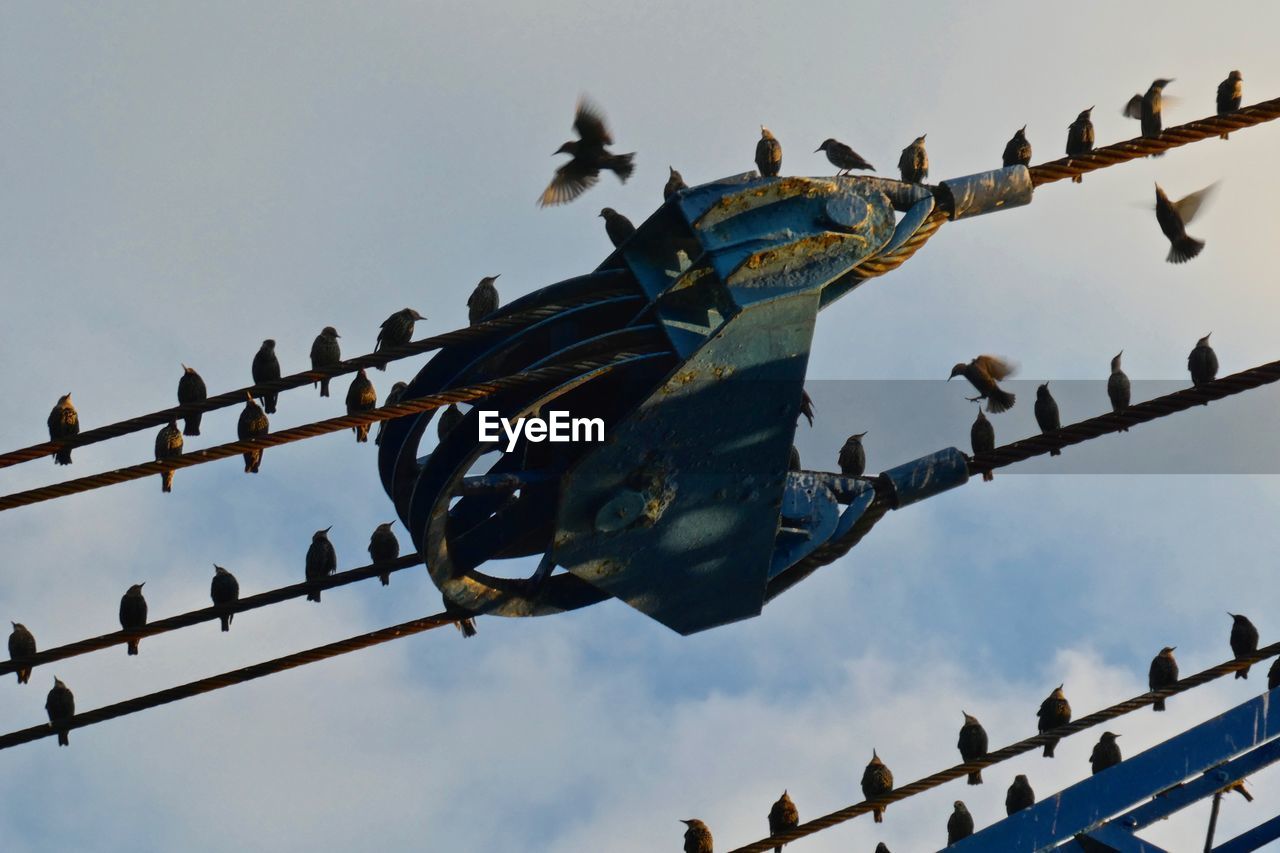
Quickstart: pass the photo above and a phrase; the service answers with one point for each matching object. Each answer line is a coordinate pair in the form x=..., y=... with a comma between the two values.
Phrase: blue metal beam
x=1089, y=804
x=1263, y=833
x=1112, y=839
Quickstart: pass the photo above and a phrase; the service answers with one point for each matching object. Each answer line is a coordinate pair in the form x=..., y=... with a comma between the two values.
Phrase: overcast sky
x=179, y=181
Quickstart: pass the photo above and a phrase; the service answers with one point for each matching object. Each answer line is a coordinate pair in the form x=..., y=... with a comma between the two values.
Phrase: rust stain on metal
x=738, y=203
x=802, y=252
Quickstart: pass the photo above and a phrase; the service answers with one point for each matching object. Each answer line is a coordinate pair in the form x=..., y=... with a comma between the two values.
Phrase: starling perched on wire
x=133, y=614
x=224, y=589
x=806, y=407
x=983, y=373
x=972, y=744
x=449, y=420
x=168, y=444
x=253, y=424
x=1017, y=151
x=1163, y=673
x=361, y=397
x=1230, y=93
x=1020, y=796
x=266, y=368
x=394, y=397
x=960, y=824
x=466, y=623
x=675, y=183
x=1054, y=711
x=64, y=422
x=913, y=163
x=1118, y=387
x=22, y=644
x=590, y=155
x=483, y=301
x=191, y=389
x=697, y=838
x=1080, y=138
x=783, y=816
x=1106, y=753
x=1046, y=410
x=617, y=226
x=768, y=154
x=383, y=548
x=1173, y=218
x=982, y=436
x=322, y=560
x=397, y=330
x=60, y=705
x=325, y=352
x=853, y=457
x=1273, y=674
x=877, y=780
x=1146, y=108
x=1203, y=362
x=793, y=461
x=1244, y=640
x=843, y=157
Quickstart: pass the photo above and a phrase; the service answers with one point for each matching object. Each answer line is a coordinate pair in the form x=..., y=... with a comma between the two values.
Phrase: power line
x=227, y=679
x=208, y=614
x=1139, y=413
x=578, y=372
x=298, y=380
x=1023, y=746
x=1173, y=137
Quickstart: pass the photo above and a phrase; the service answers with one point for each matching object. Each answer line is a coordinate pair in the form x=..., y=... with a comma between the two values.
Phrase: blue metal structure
x=686, y=511
x=1103, y=813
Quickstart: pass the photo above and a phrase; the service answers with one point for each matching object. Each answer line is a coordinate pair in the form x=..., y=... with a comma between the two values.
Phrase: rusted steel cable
x=1023, y=746
x=882, y=264
x=1139, y=413
x=582, y=370
x=209, y=614
x=298, y=380
x=227, y=679
x=1173, y=137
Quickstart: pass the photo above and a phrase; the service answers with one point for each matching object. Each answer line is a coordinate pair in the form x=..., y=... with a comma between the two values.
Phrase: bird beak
x=499, y=275
x=922, y=136
x=391, y=522
x=1205, y=336
x=327, y=529
x=141, y=585
x=952, y=376
x=1173, y=648
x=1024, y=129
x=816, y=150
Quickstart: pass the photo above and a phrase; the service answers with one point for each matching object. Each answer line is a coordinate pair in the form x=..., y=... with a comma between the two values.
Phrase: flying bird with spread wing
x=590, y=154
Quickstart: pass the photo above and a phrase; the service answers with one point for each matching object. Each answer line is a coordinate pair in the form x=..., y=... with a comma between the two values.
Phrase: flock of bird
x=224, y=591
x=1054, y=712
x=590, y=156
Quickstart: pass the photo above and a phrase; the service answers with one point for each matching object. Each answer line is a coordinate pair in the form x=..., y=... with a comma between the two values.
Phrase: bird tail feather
x=324, y=387
x=166, y=481
x=1184, y=249
x=226, y=622
x=191, y=425
x=1158, y=706
x=1000, y=400
x=386, y=579
x=313, y=596
x=63, y=456
x=988, y=476
x=133, y=647
x=975, y=778
x=622, y=165
x=64, y=739
x=1048, y=748
x=24, y=676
